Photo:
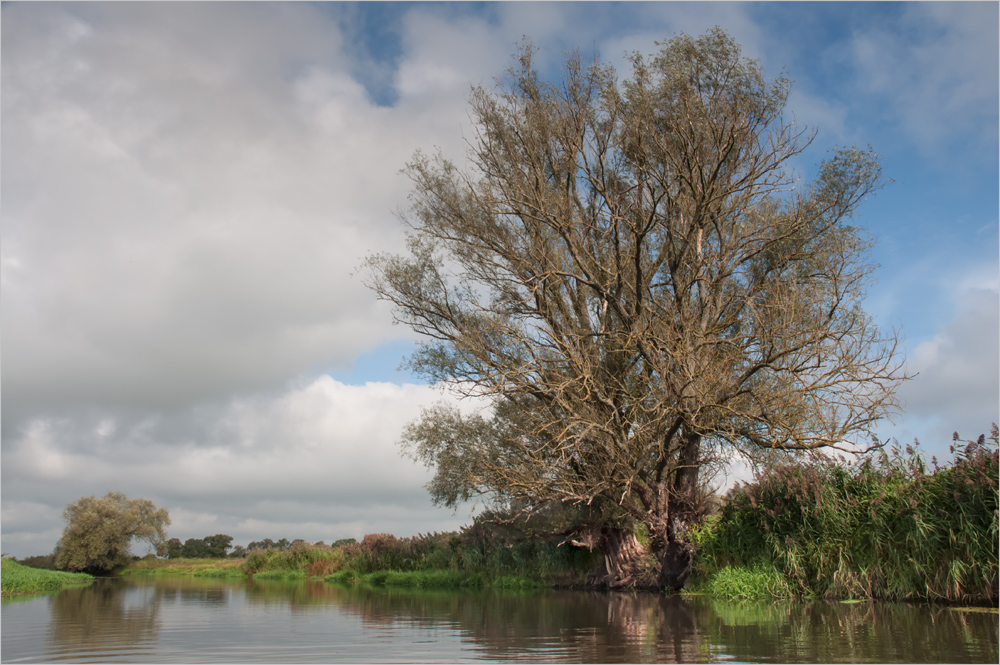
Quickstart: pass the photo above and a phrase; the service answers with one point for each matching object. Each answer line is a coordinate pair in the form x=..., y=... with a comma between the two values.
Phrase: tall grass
x=18, y=579
x=887, y=527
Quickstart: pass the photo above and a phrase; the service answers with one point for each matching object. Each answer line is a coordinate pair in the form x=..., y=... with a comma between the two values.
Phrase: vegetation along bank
x=17, y=579
x=889, y=526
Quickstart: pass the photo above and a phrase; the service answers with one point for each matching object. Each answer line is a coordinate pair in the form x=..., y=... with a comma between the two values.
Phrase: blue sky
x=188, y=191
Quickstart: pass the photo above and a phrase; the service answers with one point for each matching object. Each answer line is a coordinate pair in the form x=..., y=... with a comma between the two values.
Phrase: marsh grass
x=738, y=583
x=284, y=575
x=16, y=579
x=888, y=527
x=431, y=579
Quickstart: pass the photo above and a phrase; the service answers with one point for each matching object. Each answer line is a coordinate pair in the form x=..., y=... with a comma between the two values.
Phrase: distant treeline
x=219, y=546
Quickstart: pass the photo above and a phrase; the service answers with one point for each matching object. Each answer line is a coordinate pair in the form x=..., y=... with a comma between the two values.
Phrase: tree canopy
x=635, y=277
x=99, y=532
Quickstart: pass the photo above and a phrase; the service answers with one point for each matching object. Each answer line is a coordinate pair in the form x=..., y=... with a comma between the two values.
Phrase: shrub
x=342, y=577
x=887, y=526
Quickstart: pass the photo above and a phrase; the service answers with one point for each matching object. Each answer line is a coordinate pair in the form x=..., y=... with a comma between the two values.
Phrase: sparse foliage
x=634, y=276
x=99, y=532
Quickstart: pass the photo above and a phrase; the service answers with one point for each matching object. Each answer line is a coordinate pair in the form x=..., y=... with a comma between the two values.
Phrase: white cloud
x=182, y=214
x=319, y=461
x=957, y=382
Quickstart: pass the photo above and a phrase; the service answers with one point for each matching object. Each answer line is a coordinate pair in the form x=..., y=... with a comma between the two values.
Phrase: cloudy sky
x=188, y=191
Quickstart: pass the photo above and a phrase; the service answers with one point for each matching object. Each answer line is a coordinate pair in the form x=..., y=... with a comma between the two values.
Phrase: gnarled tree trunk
x=624, y=561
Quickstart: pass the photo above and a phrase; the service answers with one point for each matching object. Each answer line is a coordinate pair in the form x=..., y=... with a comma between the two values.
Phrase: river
x=190, y=620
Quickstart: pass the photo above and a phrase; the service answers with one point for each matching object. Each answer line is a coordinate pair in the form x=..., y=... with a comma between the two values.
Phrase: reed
x=284, y=575
x=889, y=526
x=737, y=583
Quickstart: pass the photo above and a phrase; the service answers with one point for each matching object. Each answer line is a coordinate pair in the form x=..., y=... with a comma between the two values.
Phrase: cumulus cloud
x=957, y=386
x=204, y=205
x=319, y=462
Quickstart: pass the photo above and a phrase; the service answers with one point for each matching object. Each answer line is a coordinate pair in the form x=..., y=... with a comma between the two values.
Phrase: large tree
x=636, y=279
x=99, y=532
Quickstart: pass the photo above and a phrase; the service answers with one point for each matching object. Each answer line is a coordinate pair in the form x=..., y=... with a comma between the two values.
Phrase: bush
x=314, y=560
x=44, y=561
x=343, y=577
x=887, y=527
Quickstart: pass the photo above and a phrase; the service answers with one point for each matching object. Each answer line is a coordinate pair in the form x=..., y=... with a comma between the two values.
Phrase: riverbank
x=441, y=561
x=16, y=579
x=220, y=568
x=889, y=527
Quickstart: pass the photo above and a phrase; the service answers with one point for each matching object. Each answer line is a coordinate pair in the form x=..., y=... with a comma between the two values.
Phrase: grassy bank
x=889, y=527
x=18, y=579
x=433, y=579
x=189, y=567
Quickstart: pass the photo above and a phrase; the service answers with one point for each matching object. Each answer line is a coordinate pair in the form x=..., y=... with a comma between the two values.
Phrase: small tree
x=217, y=545
x=174, y=548
x=635, y=277
x=195, y=548
x=99, y=532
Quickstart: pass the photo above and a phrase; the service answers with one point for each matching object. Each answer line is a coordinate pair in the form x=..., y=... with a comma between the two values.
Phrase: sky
x=188, y=191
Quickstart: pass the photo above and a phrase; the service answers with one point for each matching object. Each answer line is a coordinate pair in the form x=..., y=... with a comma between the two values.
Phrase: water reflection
x=185, y=619
x=861, y=632
x=101, y=619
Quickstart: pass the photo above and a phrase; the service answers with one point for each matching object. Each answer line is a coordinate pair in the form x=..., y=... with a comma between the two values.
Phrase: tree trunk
x=624, y=561
x=679, y=507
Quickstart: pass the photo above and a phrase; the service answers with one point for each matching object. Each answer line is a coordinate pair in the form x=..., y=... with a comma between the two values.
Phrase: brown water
x=195, y=621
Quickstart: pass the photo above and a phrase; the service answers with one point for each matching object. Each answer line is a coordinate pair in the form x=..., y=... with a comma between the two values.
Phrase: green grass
x=280, y=575
x=220, y=573
x=219, y=568
x=431, y=579
x=18, y=579
x=738, y=583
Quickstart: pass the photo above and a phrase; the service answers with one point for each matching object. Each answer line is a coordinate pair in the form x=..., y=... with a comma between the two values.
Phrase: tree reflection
x=643, y=627
x=103, y=617
x=119, y=619
x=568, y=625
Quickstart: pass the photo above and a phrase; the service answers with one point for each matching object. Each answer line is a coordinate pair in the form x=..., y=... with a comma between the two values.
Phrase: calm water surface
x=196, y=621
